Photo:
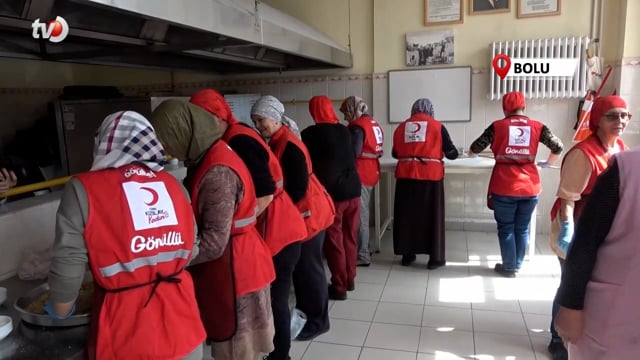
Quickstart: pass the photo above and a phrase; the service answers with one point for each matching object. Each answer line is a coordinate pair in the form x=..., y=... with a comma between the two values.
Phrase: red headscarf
x=601, y=106
x=321, y=110
x=214, y=102
x=513, y=101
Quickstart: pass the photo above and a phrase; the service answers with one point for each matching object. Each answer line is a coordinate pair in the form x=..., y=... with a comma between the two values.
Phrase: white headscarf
x=127, y=137
x=270, y=107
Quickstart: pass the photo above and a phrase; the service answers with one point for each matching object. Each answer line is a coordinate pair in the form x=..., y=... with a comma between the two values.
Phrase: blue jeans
x=513, y=215
x=554, y=311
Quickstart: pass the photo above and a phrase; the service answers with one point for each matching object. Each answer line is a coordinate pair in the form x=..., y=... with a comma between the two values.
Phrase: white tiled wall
x=27, y=225
x=629, y=88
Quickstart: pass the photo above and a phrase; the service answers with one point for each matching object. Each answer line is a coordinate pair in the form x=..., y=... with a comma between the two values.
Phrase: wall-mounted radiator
x=540, y=87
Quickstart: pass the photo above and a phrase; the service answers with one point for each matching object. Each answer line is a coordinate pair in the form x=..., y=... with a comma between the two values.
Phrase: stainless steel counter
x=27, y=342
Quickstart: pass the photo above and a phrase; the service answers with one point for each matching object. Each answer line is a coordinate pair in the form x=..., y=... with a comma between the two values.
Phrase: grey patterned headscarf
x=354, y=108
x=127, y=137
x=424, y=106
x=270, y=107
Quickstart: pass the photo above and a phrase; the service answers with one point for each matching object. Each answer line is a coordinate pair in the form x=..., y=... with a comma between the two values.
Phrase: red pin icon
x=501, y=71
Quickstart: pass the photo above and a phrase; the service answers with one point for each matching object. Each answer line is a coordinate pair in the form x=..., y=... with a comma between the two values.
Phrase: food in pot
x=83, y=302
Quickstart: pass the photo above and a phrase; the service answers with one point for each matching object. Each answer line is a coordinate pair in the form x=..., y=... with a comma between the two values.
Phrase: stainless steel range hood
x=216, y=36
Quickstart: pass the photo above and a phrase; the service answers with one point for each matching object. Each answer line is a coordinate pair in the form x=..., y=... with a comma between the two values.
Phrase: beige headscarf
x=187, y=131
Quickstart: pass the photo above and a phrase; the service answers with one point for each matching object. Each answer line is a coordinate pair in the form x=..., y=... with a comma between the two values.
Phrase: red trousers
x=341, y=244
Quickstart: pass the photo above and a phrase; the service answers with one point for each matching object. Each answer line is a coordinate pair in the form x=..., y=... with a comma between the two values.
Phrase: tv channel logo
x=55, y=30
x=506, y=66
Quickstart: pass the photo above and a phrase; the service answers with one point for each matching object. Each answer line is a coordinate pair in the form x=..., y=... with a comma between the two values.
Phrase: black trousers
x=284, y=262
x=554, y=311
x=310, y=284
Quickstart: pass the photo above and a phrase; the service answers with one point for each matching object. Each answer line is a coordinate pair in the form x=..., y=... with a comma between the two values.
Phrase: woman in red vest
x=515, y=183
x=132, y=223
x=419, y=144
x=281, y=224
x=581, y=167
x=368, y=140
x=234, y=269
x=247, y=144
x=329, y=146
x=315, y=205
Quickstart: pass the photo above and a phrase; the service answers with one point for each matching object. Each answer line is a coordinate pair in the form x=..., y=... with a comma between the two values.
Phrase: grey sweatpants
x=364, y=254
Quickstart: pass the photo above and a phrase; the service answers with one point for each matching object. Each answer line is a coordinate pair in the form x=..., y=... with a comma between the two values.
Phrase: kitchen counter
x=462, y=165
x=28, y=341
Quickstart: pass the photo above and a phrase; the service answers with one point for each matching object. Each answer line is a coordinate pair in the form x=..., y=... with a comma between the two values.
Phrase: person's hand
x=565, y=235
x=48, y=308
x=7, y=180
x=544, y=164
x=569, y=324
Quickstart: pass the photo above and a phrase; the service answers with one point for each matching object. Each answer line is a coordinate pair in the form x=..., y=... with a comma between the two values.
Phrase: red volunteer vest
x=139, y=237
x=418, y=146
x=245, y=266
x=280, y=224
x=367, y=162
x=515, y=145
x=316, y=207
x=599, y=157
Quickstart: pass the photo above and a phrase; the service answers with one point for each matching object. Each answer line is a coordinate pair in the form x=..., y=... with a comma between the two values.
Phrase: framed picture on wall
x=535, y=8
x=443, y=12
x=429, y=48
x=478, y=7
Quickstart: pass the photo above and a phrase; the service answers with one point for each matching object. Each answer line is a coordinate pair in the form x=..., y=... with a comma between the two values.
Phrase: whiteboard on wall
x=448, y=88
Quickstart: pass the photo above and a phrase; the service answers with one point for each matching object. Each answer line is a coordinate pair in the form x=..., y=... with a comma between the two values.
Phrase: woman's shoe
x=407, y=260
x=506, y=273
x=335, y=294
x=432, y=265
x=351, y=287
x=306, y=335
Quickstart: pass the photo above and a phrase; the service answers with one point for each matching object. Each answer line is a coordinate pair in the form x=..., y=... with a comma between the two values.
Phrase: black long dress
x=418, y=215
x=418, y=218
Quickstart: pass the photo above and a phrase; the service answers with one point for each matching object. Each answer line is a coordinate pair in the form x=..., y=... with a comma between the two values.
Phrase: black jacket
x=333, y=160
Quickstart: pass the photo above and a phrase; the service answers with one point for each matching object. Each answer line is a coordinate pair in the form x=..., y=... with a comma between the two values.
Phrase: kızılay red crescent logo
x=55, y=30
x=154, y=194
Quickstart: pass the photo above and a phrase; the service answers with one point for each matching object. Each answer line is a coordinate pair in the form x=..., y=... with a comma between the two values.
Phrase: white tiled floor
x=462, y=311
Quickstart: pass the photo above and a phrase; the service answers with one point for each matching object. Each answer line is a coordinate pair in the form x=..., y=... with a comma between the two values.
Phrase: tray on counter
x=44, y=319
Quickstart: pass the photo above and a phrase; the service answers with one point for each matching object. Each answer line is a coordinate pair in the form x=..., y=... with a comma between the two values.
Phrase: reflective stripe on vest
x=137, y=263
x=306, y=214
x=279, y=183
x=369, y=155
x=515, y=157
x=240, y=223
x=421, y=159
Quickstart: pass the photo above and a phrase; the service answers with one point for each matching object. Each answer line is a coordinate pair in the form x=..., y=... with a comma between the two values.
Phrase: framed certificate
x=535, y=8
x=443, y=12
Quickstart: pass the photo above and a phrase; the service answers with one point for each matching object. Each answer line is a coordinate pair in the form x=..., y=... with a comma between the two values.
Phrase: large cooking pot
x=23, y=303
